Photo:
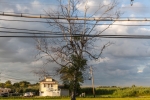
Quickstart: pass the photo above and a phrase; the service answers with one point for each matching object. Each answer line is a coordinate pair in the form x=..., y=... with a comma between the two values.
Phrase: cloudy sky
x=124, y=63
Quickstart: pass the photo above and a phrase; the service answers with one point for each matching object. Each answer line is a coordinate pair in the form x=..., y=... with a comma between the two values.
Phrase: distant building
x=49, y=87
x=4, y=90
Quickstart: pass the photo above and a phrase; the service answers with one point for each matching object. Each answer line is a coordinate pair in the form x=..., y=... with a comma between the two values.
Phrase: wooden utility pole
x=69, y=7
x=0, y=76
x=91, y=72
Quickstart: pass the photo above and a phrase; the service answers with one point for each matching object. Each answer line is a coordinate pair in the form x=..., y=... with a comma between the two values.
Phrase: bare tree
x=76, y=46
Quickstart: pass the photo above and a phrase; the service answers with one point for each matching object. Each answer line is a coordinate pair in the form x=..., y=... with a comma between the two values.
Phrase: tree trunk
x=73, y=95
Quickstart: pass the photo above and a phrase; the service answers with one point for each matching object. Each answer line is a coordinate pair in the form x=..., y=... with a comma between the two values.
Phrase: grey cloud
x=121, y=71
x=15, y=51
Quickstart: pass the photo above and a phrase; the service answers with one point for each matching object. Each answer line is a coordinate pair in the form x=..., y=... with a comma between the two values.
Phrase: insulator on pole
x=132, y=2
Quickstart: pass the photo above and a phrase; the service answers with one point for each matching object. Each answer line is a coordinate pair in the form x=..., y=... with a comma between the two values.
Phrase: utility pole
x=0, y=77
x=69, y=7
x=91, y=72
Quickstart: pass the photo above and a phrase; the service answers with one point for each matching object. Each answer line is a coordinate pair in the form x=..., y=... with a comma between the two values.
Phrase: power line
x=11, y=76
x=16, y=79
x=26, y=21
x=60, y=35
x=99, y=36
x=57, y=15
x=33, y=33
x=75, y=18
x=72, y=23
x=26, y=30
x=53, y=14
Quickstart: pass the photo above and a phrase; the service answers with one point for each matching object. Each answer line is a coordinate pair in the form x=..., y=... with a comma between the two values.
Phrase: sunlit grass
x=140, y=98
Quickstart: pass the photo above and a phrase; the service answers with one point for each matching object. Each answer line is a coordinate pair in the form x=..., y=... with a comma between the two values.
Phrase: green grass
x=140, y=98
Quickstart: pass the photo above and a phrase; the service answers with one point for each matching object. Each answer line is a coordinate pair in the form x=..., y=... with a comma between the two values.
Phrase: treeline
x=132, y=92
x=21, y=87
x=99, y=90
x=118, y=91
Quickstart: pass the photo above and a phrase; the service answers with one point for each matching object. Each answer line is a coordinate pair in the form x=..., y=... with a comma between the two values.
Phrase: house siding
x=49, y=87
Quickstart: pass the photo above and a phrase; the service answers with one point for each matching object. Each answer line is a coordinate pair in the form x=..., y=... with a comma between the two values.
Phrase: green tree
x=2, y=85
x=16, y=85
x=133, y=86
x=24, y=84
x=8, y=84
x=72, y=75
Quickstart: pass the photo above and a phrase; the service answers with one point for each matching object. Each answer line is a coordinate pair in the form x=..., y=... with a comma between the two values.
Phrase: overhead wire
x=52, y=14
x=52, y=33
x=49, y=34
x=73, y=18
x=72, y=23
x=26, y=30
x=16, y=79
x=98, y=36
x=57, y=15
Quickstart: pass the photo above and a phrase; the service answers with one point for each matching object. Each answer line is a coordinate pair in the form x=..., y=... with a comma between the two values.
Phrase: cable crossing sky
x=73, y=18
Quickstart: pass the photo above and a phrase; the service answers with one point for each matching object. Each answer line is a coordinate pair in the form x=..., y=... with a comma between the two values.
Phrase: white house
x=49, y=87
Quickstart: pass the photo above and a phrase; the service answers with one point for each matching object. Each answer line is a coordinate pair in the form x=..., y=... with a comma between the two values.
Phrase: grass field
x=77, y=99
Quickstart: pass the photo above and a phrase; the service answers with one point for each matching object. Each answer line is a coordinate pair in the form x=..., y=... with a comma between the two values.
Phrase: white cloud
x=96, y=8
x=35, y=4
x=140, y=69
x=21, y=8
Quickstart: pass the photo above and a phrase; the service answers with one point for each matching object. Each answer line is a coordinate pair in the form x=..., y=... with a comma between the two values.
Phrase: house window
x=44, y=85
x=48, y=85
x=42, y=92
x=51, y=85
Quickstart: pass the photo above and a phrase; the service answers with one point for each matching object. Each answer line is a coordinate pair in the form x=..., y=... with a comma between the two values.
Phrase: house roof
x=44, y=80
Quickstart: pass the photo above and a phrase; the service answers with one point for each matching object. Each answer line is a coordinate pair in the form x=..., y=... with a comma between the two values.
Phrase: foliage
x=73, y=74
x=2, y=85
x=99, y=91
x=8, y=84
x=105, y=91
x=132, y=92
x=21, y=87
x=16, y=85
x=125, y=93
x=118, y=91
x=24, y=84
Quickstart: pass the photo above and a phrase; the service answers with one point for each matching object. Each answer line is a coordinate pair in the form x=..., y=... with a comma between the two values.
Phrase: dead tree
x=75, y=45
